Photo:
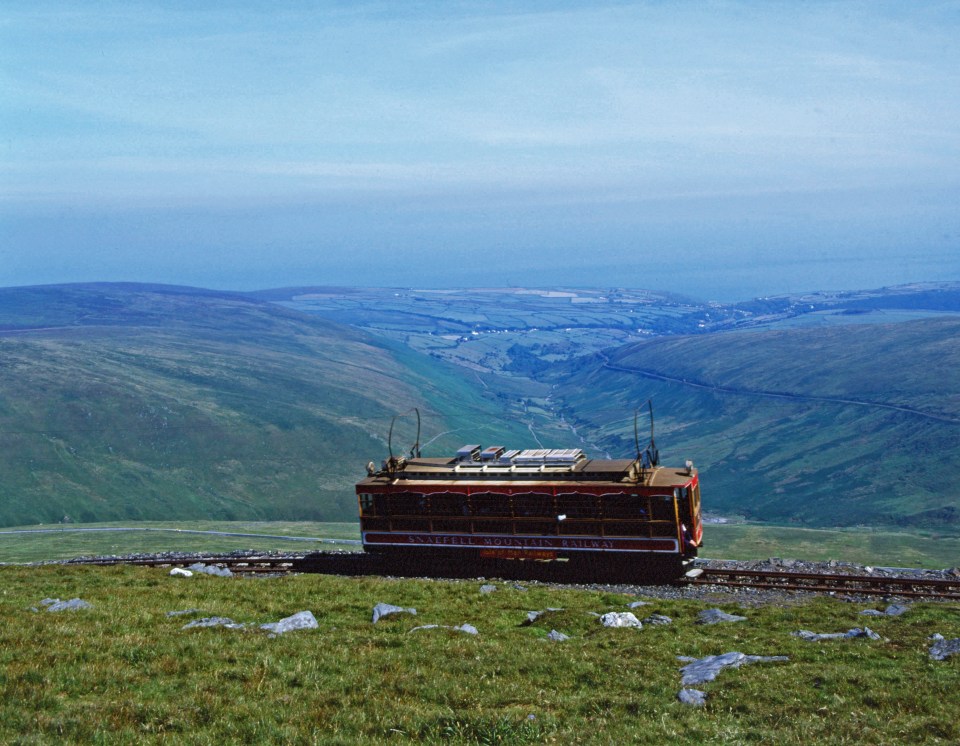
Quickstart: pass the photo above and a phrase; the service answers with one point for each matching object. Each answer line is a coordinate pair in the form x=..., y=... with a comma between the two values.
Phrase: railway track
x=871, y=585
x=358, y=563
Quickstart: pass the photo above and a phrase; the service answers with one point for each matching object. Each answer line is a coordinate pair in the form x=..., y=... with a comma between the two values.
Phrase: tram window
x=537, y=527
x=662, y=506
x=488, y=503
x=533, y=505
x=449, y=503
x=451, y=525
x=366, y=504
x=624, y=506
x=409, y=524
x=578, y=506
x=579, y=528
x=408, y=503
x=625, y=528
x=492, y=527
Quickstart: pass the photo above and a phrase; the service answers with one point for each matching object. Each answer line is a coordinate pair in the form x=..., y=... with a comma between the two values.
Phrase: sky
x=724, y=149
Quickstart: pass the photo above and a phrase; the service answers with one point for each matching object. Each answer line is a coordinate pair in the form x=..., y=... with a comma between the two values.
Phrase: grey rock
x=937, y=636
x=74, y=604
x=706, y=669
x=181, y=573
x=488, y=588
x=943, y=649
x=466, y=628
x=517, y=586
x=381, y=610
x=300, y=620
x=223, y=572
x=896, y=609
x=851, y=633
x=620, y=619
x=657, y=620
x=213, y=621
x=692, y=697
x=637, y=604
x=533, y=616
x=557, y=636
x=183, y=612
x=891, y=610
x=716, y=616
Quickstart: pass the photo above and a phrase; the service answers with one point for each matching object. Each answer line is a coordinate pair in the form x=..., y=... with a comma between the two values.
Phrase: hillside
x=151, y=402
x=847, y=425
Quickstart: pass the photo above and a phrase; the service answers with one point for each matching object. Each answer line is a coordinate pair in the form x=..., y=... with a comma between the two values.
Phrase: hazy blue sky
x=724, y=149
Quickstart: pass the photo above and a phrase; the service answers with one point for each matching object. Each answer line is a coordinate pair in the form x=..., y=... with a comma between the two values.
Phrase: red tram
x=600, y=517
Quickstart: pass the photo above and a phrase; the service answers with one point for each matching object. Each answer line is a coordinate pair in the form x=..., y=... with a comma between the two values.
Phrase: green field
x=146, y=403
x=859, y=545
x=727, y=541
x=39, y=543
x=125, y=672
x=844, y=426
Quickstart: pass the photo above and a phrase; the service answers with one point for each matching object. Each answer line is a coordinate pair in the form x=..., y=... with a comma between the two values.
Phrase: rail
x=877, y=585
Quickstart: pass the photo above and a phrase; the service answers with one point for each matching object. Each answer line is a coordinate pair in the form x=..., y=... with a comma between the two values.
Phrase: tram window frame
x=367, y=504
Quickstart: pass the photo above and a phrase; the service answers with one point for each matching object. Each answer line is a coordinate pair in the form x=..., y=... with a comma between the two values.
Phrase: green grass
x=724, y=541
x=52, y=542
x=124, y=672
x=805, y=459
x=145, y=403
x=861, y=545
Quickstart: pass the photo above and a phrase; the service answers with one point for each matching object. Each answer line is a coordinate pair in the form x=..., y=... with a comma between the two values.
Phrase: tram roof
x=454, y=471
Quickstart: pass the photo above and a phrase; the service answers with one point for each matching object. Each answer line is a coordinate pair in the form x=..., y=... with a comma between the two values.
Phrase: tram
x=481, y=507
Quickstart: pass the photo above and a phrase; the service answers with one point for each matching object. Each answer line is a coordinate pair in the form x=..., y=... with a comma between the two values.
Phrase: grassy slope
x=130, y=402
x=801, y=460
x=124, y=672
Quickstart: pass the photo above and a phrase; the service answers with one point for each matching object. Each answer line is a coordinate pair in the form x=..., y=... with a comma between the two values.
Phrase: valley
x=142, y=402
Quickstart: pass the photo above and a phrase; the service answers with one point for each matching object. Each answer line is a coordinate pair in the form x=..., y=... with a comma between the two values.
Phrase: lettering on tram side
x=521, y=542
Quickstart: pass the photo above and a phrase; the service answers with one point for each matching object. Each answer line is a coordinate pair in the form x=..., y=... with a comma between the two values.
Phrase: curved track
x=904, y=585
x=872, y=585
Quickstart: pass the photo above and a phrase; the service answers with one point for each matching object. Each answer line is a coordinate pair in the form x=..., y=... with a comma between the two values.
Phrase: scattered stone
x=809, y=636
x=518, y=587
x=533, y=616
x=300, y=620
x=943, y=648
x=637, y=604
x=706, y=669
x=716, y=616
x=620, y=619
x=183, y=612
x=891, y=610
x=74, y=604
x=557, y=636
x=692, y=697
x=223, y=572
x=955, y=571
x=467, y=628
x=868, y=570
x=424, y=626
x=488, y=588
x=213, y=621
x=180, y=572
x=382, y=610
x=657, y=620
